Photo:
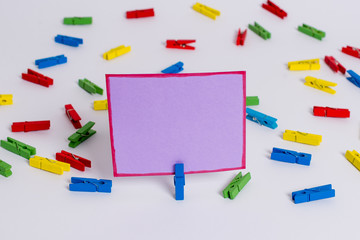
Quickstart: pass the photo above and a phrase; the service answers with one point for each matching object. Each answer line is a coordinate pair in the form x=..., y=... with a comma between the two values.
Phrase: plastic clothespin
x=176, y=68
x=78, y=21
x=311, y=31
x=271, y=7
x=331, y=112
x=29, y=126
x=180, y=44
x=140, y=13
x=73, y=116
x=240, y=40
x=90, y=185
x=285, y=155
x=69, y=41
x=90, y=87
x=75, y=161
x=252, y=101
x=353, y=157
x=354, y=78
x=18, y=147
x=49, y=165
x=37, y=78
x=311, y=64
x=101, y=105
x=320, y=84
x=6, y=99
x=116, y=52
x=179, y=181
x=50, y=61
x=236, y=185
x=5, y=169
x=352, y=51
x=205, y=10
x=81, y=135
x=334, y=65
x=312, y=194
x=259, y=30
x=261, y=118
x=301, y=137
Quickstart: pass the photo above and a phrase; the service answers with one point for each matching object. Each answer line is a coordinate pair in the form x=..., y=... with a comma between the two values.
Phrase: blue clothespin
x=90, y=185
x=285, y=155
x=51, y=61
x=355, y=79
x=261, y=118
x=179, y=181
x=70, y=41
x=312, y=194
x=176, y=68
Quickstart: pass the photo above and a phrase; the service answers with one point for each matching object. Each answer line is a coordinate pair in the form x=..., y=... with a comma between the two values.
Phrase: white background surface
x=38, y=205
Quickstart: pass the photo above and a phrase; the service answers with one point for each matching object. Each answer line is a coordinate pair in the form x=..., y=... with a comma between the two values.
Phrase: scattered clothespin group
x=320, y=84
x=334, y=65
x=240, y=40
x=271, y=7
x=37, y=78
x=354, y=78
x=18, y=147
x=75, y=161
x=180, y=44
x=205, y=10
x=236, y=185
x=331, y=112
x=6, y=99
x=90, y=185
x=176, y=68
x=78, y=21
x=69, y=41
x=301, y=137
x=49, y=165
x=140, y=13
x=90, y=87
x=352, y=51
x=353, y=157
x=116, y=52
x=73, y=116
x=50, y=61
x=101, y=105
x=311, y=31
x=81, y=135
x=312, y=194
x=252, y=100
x=179, y=181
x=285, y=155
x=5, y=169
x=311, y=64
x=29, y=126
x=261, y=118
x=259, y=30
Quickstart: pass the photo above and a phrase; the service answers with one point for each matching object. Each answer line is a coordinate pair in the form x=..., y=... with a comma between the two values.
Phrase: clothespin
x=311, y=31
x=179, y=181
x=334, y=65
x=180, y=44
x=116, y=52
x=81, y=135
x=75, y=161
x=78, y=21
x=73, y=116
x=271, y=7
x=49, y=165
x=320, y=84
x=101, y=105
x=18, y=147
x=252, y=101
x=301, y=137
x=261, y=118
x=259, y=30
x=205, y=10
x=353, y=157
x=6, y=99
x=352, y=51
x=312, y=194
x=311, y=64
x=37, y=78
x=331, y=112
x=240, y=40
x=176, y=68
x=29, y=126
x=140, y=13
x=354, y=78
x=5, y=169
x=70, y=41
x=236, y=185
x=50, y=61
x=285, y=155
x=90, y=87
x=90, y=185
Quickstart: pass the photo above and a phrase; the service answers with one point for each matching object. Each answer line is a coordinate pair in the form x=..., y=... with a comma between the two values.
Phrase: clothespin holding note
x=301, y=137
x=179, y=181
x=320, y=84
x=205, y=10
x=334, y=65
x=353, y=157
x=311, y=64
x=81, y=135
x=49, y=165
x=261, y=118
x=5, y=169
x=18, y=147
x=354, y=78
x=116, y=52
x=240, y=40
x=311, y=31
x=6, y=99
x=236, y=185
x=259, y=30
x=271, y=7
x=90, y=87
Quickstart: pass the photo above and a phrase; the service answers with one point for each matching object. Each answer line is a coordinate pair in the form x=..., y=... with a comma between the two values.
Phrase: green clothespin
x=252, y=101
x=236, y=185
x=78, y=21
x=90, y=87
x=81, y=135
x=5, y=169
x=18, y=147
x=311, y=31
x=259, y=30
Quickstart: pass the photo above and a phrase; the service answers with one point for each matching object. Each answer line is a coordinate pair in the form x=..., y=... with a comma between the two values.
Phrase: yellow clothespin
x=300, y=137
x=354, y=158
x=311, y=64
x=205, y=10
x=6, y=99
x=115, y=52
x=101, y=105
x=49, y=165
x=320, y=84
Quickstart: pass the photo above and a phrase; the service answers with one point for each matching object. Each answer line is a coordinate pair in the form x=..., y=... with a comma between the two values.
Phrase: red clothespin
x=37, y=78
x=334, y=65
x=140, y=13
x=181, y=44
x=271, y=7
x=352, y=51
x=73, y=116
x=75, y=161
x=331, y=112
x=241, y=37
x=30, y=126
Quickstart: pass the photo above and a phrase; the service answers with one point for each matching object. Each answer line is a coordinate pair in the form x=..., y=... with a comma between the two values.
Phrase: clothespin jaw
x=261, y=118
x=301, y=137
x=176, y=68
x=311, y=31
x=271, y=7
x=352, y=51
x=311, y=64
x=354, y=78
x=51, y=61
x=236, y=185
x=78, y=21
x=101, y=105
x=69, y=41
x=331, y=112
x=140, y=13
x=180, y=44
x=285, y=155
x=90, y=185
x=205, y=10
x=320, y=84
x=353, y=157
x=6, y=99
x=312, y=194
x=259, y=30
x=252, y=101
x=116, y=52
x=5, y=169
x=90, y=87
x=179, y=181
x=18, y=147
x=240, y=40
x=81, y=135
x=334, y=65
x=30, y=126
x=75, y=161
x=49, y=165
x=37, y=78
x=73, y=116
